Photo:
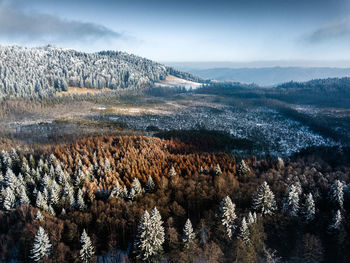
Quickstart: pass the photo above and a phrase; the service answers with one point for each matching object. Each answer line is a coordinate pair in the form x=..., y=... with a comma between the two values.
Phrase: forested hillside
x=32, y=72
x=141, y=199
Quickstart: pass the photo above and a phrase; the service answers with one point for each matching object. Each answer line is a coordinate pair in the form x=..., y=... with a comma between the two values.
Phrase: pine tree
x=136, y=189
x=24, y=200
x=218, y=169
x=117, y=191
x=244, y=231
x=337, y=193
x=9, y=199
x=243, y=168
x=264, y=200
x=150, y=236
x=309, y=208
x=228, y=215
x=158, y=231
x=172, y=171
x=251, y=219
x=107, y=165
x=80, y=201
x=143, y=239
x=10, y=179
x=42, y=246
x=41, y=203
x=87, y=250
x=150, y=184
x=188, y=234
x=337, y=221
x=39, y=216
x=291, y=201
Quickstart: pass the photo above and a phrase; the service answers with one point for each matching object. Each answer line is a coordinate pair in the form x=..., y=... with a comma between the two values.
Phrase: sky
x=239, y=31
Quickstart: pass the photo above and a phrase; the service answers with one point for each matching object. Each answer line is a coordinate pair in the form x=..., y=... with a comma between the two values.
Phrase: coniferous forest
x=143, y=199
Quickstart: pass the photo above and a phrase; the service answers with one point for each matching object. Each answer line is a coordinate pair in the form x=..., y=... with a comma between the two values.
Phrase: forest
x=44, y=71
x=144, y=199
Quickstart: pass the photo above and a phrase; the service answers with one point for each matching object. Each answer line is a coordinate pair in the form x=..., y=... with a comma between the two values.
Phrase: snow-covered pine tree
x=54, y=193
x=87, y=250
x=80, y=201
x=107, y=165
x=244, y=231
x=337, y=221
x=337, y=193
x=218, y=169
x=228, y=215
x=291, y=201
x=309, y=208
x=188, y=234
x=117, y=191
x=9, y=199
x=264, y=200
x=40, y=202
x=143, y=243
x=136, y=189
x=42, y=246
x=39, y=216
x=51, y=211
x=10, y=179
x=158, y=234
x=172, y=171
x=251, y=219
x=24, y=200
x=150, y=184
x=243, y=168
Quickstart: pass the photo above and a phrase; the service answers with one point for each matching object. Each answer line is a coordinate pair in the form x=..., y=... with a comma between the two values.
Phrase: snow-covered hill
x=30, y=72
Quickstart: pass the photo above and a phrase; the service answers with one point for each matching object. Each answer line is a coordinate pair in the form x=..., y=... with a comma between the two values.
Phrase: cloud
x=340, y=30
x=18, y=25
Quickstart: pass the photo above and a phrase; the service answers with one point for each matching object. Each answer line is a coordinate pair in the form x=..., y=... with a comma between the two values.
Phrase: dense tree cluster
x=147, y=200
x=29, y=72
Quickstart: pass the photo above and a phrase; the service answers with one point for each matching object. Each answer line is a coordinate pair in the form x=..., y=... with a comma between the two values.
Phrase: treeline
x=209, y=207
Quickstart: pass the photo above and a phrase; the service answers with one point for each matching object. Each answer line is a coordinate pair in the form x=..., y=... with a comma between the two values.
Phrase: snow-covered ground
x=172, y=82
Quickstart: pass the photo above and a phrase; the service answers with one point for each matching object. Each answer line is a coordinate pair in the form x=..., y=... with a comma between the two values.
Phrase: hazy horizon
x=186, y=30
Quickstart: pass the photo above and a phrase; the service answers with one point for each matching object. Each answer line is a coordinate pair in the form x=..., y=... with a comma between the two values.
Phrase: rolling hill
x=43, y=71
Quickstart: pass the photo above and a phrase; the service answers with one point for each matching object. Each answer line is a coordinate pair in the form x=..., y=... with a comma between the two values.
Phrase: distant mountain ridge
x=270, y=76
x=43, y=71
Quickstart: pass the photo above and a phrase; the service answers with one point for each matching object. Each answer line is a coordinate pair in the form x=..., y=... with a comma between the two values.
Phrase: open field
x=275, y=130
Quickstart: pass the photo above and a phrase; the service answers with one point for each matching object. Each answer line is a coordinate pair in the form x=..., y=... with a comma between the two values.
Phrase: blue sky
x=192, y=30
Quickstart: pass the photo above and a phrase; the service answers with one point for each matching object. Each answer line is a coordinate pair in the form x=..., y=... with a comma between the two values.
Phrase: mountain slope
x=31, y=72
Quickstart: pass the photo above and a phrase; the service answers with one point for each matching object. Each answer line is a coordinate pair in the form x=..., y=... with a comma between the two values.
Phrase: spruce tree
x=309, y=208
x=172, y=171
x=9, y=199
x=24, y=200
x=218, y=170
x=188, y=234
x=42, y=246
x=39, y=216
x=337, y=193
x=150, y=237
x=336, y=222
x=158, y=233
x=10, y=179
x=40, y=202
x=228, y=215
x=244, y=231
x=264, y=200
x=80, y=201
x=150, y=184
x=117, y=191
x=291, y=201
x=143, y=239
x=87, y=250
